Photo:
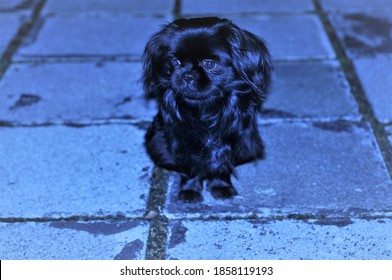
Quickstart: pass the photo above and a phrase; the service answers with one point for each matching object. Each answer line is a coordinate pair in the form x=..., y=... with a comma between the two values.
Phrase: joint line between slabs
x=357, y=90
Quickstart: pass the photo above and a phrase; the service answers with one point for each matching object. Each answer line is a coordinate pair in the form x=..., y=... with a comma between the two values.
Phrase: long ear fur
x=251, y=59
x=153, y=54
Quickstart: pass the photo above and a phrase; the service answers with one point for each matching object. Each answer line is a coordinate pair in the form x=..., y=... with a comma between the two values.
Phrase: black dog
x=210, y=78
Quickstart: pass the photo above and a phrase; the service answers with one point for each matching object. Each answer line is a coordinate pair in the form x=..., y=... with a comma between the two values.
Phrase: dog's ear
x=153, y=62
x=251, y=59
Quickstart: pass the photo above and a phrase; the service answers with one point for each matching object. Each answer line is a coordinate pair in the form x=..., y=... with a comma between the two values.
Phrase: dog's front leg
x=220, y=169
x=191, y=189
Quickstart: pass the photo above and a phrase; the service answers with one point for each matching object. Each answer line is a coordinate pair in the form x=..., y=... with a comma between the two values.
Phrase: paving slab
x=288, y=239
x=74, y=240
x=377, y=83
x=56, y=171
x=284, y=40
x=364, y=33
x=314, y=169
x=89, y=35
x=111, y=90
x=309, y=90
x=357, y=5
x=156, y=7
x=74, y=92
x=218, y=7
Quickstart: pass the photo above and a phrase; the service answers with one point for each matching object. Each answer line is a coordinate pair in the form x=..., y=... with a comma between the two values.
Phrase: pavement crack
x=77, y=218
x=177, y=9
x=6, y=58
x=157, y=237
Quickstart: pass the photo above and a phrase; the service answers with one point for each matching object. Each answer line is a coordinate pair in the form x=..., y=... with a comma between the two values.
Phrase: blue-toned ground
x=76, y=182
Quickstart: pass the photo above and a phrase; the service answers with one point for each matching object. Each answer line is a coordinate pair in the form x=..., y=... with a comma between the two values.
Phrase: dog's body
x=209, y=78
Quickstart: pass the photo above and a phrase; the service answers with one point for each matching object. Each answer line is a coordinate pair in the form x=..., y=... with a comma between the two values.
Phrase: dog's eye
x=175, y=62
x=208, y=64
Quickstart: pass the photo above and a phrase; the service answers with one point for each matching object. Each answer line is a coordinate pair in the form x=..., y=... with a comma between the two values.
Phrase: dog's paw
x=221, y=189
x=223, y=192
x=190, y=189
x=190, y=196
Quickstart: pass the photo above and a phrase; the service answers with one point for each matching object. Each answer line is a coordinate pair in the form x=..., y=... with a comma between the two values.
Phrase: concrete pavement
x=76, y=183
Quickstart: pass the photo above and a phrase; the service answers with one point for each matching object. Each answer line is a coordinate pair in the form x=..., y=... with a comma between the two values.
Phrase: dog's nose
x=188, y=77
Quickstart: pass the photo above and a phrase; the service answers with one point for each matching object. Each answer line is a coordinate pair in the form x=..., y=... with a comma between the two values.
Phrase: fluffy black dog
x=210, y=78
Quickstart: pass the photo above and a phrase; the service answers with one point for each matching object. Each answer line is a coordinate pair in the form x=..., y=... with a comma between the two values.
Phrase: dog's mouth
x=193, y=97
x=189, y=94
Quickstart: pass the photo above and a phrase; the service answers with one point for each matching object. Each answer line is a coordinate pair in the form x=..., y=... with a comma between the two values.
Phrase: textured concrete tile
x=219, y=7
x=288, y=239
x=284, y=39
x=357, y=5
x=375, y=74
x=72, y=92
x=310, y=89
x=364, y=33
x=308, y=168
x=67, y=171
x=75, y=240
x=126, y=6
x=95, y=34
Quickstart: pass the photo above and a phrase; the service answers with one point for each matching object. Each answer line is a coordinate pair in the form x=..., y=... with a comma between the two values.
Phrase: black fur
x=210, y=78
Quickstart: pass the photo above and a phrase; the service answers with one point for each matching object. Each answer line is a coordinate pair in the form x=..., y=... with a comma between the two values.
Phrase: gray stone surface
x=156, y=7
x=53, y=172
x=309, y=90
x=308, y=168
x=72, y=92
x=218, y=7
x=284, y=39
x=90, y=35
x=364, y=33
x=287, y=239
x=375, y=74
x=357, y=5
x=74, y=240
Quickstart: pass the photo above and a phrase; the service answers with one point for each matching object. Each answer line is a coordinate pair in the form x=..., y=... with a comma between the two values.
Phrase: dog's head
x=205, y=58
